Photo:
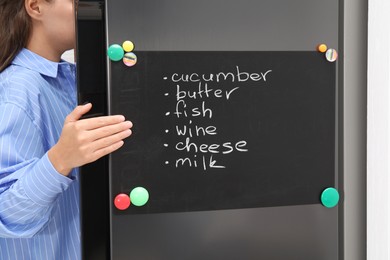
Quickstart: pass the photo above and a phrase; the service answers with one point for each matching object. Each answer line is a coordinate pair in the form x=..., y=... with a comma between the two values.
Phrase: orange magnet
x=322, y=48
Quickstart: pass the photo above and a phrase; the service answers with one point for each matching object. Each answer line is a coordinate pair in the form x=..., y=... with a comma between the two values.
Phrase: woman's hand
x=84, y=141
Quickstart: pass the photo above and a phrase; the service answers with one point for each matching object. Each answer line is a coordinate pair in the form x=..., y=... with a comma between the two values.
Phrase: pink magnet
x=130, y=59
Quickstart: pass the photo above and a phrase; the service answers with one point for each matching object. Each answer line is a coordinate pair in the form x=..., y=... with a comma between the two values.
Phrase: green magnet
x=139, y=196
x=115, y=52
x=330, y=197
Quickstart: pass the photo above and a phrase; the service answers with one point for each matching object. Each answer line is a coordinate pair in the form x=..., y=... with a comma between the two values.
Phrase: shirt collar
x=33, y=61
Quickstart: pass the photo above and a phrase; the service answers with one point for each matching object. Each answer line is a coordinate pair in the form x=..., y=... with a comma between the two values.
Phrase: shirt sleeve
x=29, y=184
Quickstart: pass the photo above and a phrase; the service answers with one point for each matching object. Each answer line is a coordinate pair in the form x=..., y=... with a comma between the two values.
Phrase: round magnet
x=128, y=46
x=115, y=52
x=139, y=196
x=330, y=197
x=331, y=55
x=322, y=47
x=130, y=59
x=122, y=201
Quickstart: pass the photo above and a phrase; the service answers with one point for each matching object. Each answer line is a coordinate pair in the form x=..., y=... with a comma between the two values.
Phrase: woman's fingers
x=99, y=122
x=84, y=141
x=110, y=140
x=105, y=131
x=106, y=150
x=78, y=112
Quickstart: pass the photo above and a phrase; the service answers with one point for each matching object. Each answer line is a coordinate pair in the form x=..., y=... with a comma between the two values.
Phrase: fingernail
x=85, y=103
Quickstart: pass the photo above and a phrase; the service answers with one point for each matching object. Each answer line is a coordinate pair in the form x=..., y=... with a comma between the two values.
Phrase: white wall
x=378, y=141
x=68, y=56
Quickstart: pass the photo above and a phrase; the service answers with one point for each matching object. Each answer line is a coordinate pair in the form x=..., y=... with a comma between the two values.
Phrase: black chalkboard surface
x=225, y=130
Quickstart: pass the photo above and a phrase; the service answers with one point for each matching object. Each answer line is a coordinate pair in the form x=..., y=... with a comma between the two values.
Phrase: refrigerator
x=236, y=150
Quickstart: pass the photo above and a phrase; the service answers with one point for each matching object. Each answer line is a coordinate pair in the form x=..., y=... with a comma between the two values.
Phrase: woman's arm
x=29, y=184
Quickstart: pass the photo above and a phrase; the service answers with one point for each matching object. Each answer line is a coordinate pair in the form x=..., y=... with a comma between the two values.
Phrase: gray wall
x=355, y=113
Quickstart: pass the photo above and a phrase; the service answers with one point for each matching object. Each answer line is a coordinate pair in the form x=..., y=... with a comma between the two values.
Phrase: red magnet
x=122, y=201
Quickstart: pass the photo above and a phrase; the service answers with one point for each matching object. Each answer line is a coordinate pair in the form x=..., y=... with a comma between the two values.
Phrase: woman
x=42, y=141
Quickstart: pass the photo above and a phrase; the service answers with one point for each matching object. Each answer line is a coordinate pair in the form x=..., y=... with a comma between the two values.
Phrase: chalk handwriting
x=201, y=88
x=236, y=76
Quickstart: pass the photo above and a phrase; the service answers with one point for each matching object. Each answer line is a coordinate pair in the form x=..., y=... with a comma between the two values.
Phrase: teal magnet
x=330, y=197
x=115, y=52
x=139, y=196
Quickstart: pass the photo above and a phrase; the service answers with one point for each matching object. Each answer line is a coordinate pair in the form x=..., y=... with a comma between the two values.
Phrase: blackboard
x=260, y=129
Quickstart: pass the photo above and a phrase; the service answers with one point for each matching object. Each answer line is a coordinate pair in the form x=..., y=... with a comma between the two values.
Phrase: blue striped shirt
x=39, y=208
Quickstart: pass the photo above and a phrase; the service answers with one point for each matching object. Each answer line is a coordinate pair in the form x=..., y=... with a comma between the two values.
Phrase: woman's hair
x=15, y=26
